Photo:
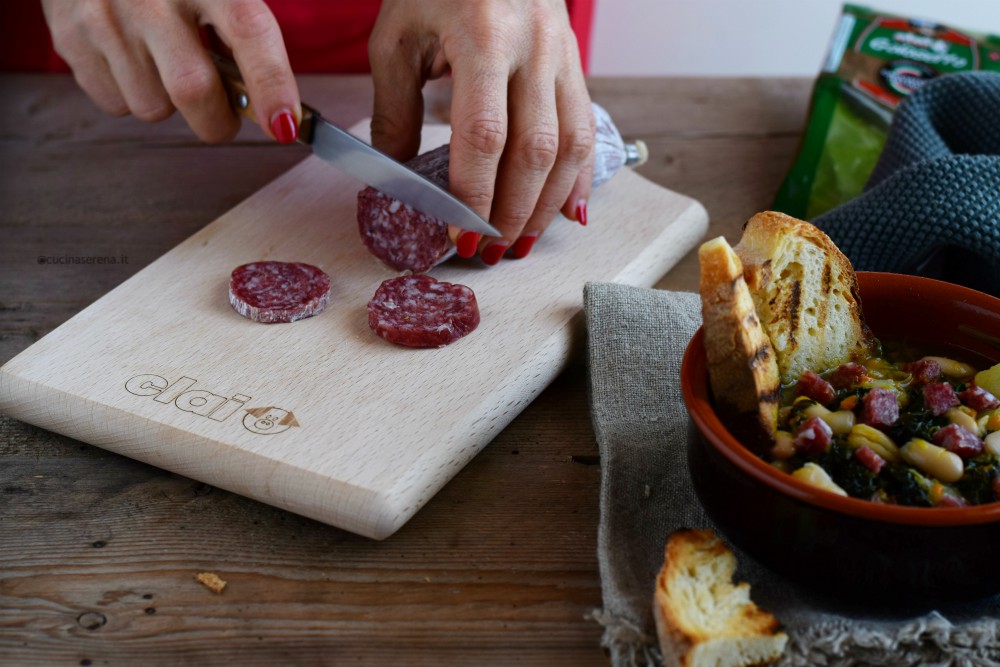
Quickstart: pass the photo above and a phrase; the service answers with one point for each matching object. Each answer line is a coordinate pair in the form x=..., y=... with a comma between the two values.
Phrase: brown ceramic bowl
x=850, y=547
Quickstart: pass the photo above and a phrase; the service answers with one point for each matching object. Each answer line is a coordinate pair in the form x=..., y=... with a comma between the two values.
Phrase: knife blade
x=369, y=165
x=366, y=163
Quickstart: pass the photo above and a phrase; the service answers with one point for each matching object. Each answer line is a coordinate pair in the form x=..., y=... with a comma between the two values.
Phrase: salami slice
x=396, y=233
x=271, y=292
x=421, y=311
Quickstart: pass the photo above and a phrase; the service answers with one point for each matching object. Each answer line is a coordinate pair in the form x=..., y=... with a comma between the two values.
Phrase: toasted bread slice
x=702, y=619
x=742, y=368
x=805, y=293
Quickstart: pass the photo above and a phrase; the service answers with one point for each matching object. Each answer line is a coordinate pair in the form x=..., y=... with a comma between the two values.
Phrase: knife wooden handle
x=239, y=96
x=236, y=88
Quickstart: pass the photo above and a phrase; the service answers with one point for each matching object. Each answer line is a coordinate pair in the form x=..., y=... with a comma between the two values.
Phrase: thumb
x=398, y=113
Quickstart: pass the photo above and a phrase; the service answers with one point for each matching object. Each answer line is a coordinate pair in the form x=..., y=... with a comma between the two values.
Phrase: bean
x=811, y=473
x=935, y=461
x=784, y=445
x=840, y=422
x=992, y=443
x=863, y=435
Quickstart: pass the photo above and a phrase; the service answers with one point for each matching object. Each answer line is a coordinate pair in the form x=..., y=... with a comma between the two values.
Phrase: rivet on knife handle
x=236, y=88
x=239, y=97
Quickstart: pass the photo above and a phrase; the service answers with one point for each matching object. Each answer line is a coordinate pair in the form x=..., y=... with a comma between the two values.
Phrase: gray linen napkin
x=636, y=339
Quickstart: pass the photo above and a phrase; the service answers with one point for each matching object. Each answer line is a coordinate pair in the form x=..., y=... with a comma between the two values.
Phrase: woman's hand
x=147, y=59
x=522, y=126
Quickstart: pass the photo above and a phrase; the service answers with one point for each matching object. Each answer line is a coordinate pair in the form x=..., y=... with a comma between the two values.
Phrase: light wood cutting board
x=321, y=417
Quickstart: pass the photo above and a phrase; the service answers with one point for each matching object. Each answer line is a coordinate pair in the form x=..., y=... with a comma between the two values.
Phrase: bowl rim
x=695, y=393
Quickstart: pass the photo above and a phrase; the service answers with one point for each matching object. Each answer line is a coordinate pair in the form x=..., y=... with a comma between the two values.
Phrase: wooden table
x=98, y=553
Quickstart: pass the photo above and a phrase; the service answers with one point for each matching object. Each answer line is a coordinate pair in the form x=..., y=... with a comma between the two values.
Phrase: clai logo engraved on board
x=268, y=420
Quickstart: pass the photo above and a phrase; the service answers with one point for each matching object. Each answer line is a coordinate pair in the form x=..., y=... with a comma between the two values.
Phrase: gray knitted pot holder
x=932, y=204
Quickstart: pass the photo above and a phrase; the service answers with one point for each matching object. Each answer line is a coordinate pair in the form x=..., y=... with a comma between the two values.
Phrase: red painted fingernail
x=581, y=212
x=493, y=252
x=466, y=244
x=283, y=127
x=523, y=245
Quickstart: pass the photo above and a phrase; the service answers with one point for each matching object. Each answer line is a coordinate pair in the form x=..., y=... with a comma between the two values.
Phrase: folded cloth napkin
x=636, y=339
x=932, y=204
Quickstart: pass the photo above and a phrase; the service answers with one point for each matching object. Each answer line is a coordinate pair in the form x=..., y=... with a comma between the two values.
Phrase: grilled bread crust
x=742, y=367
x=805, y=293
x=702, y=618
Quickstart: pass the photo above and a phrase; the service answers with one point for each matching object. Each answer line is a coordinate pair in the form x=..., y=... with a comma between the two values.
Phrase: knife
x=369, y=165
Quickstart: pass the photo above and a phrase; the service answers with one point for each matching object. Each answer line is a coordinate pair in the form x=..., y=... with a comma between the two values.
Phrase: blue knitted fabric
x=932, y=204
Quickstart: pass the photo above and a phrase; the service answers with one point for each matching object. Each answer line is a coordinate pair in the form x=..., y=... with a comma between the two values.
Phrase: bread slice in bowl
x=805, y=293
x=742, y=365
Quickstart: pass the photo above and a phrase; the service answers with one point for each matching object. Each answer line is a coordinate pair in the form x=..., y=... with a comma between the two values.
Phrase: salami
x=816, y=388
x=958, y=440
x=880, y=408
x=869, y=459
x=271, y=292
x=396, y=233
x=979, y=399
x=939, y=396
x=813, y=435
x=924, y=371
x=421, y=311
x=408, y=240
x=847, y=375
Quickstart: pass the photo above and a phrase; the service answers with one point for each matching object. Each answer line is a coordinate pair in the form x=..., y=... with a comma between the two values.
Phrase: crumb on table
x=211, y=581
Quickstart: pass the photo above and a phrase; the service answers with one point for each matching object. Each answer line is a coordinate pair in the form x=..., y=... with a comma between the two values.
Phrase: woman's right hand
x=147, y=59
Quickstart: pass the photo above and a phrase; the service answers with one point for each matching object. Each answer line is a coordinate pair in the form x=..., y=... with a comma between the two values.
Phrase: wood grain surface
x=99, y=553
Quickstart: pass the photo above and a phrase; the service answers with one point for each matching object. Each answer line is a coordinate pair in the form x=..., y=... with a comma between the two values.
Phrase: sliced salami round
x=271, y=292
x=396, y=233
x=421, y=311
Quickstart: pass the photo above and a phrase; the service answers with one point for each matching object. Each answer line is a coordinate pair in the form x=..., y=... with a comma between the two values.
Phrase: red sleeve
x=581, y=18
x=26, y=44
x=326, y=35
x=315, y=45
x=320, y=35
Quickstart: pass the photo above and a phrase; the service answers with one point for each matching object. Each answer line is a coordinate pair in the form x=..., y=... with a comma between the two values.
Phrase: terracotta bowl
x=850, y=547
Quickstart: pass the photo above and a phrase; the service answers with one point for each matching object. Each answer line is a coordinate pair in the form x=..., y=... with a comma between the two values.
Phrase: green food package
x=874, y=61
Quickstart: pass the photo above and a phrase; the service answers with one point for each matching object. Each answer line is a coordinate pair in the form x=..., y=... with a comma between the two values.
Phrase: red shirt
x=320, y=35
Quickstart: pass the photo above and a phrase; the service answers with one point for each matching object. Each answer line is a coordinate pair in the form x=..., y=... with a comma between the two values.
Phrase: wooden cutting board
x=321, y=417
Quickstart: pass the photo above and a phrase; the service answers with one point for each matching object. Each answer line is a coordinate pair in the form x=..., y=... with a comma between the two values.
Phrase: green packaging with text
x=875, y=60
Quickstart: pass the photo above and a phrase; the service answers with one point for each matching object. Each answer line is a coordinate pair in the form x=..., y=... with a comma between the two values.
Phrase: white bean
x=863, y=435
x=784, y=445
x=813, y=474
x=992, y=443
x=981, y=423
x=815, y=409
x=935, y=461
x=840, y=422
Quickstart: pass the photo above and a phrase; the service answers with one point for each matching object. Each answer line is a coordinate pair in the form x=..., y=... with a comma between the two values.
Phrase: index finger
x=479, y=130
x=251, y=31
